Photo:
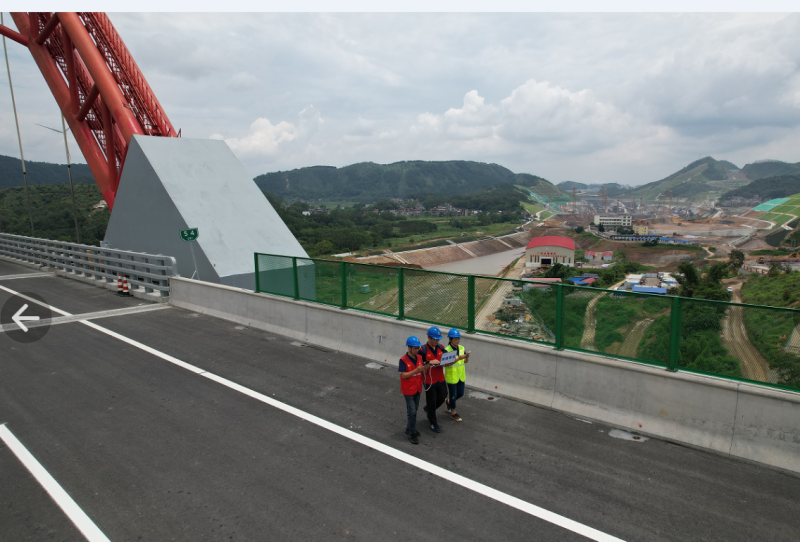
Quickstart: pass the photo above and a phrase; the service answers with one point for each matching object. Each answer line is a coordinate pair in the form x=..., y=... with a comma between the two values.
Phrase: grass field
x=446, y=231
x=531, y=207
x=545, y=215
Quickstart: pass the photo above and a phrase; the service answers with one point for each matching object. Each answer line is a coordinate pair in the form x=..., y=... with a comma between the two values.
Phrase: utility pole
x=670, y=203
x=605, y=199
x=640, y=207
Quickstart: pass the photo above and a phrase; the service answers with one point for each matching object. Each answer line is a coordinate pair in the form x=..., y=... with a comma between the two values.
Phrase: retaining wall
x=730, y=418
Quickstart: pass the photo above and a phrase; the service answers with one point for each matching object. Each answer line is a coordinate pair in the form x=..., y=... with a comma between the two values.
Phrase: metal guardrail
x=150, y=272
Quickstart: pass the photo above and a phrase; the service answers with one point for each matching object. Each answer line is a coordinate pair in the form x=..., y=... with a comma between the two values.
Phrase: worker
x=455, y=375
x=411, y=369
x=433, y=380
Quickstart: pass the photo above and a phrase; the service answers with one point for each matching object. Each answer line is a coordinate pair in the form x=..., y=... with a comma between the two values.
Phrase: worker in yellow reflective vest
x=455, y=375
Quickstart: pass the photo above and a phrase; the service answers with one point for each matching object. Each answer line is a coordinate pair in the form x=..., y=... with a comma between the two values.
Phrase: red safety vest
x=413, y=384
x=435, y=373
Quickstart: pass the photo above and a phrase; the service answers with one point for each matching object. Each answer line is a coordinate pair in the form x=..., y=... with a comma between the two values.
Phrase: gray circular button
x=23, y=320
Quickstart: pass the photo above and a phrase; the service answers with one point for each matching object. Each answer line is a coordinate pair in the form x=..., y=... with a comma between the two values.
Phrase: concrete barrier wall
x=728, y=417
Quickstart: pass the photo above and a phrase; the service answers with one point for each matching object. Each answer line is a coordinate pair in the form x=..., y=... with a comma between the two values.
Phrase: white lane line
x=88, y=316
x=26, y=276
x=84, y=524
x=32, y=300
x=505, y=498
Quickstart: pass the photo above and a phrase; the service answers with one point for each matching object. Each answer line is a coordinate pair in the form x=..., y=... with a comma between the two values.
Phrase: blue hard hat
x=413, y=341
x=454, y=334
x=434, y=333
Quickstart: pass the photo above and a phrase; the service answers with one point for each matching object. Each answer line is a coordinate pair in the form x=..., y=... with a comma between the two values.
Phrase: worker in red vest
x=411, y=369
x=434, y=384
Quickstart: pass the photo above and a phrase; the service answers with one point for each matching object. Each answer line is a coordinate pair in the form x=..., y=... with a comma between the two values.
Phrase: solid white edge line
x=84, y=524
x=32, y=300
x=514, y=502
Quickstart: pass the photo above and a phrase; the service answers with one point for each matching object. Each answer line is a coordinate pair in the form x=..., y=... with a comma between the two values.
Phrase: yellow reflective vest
x=456, y=372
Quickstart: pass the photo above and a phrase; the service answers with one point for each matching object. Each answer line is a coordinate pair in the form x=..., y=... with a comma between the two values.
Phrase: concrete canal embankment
x=506, y=248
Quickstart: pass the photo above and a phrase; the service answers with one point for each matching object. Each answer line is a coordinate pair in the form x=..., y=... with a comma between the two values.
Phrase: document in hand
x=448, y=358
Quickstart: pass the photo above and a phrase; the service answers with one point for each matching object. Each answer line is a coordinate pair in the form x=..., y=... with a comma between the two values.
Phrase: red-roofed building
x=549, y=250
x=608, y=255
x=590, y=254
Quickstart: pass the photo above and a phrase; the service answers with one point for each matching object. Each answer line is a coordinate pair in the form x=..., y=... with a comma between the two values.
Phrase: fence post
x=401, y=294
x=296, y=282
x=255, y=258
x=559, y=317
x=675, y=335
x=471, y=304
x=344, y=285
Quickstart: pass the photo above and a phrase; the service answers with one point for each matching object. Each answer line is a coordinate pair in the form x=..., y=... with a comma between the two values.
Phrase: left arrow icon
x=18, y=318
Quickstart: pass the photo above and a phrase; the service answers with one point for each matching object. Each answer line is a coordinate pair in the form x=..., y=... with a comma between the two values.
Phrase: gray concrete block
x=172, y=184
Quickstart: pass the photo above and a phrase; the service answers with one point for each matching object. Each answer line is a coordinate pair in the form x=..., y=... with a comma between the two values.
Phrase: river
x=485, y=265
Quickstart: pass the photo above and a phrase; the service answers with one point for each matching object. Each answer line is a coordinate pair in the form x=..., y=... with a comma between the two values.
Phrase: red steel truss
x=101, y=92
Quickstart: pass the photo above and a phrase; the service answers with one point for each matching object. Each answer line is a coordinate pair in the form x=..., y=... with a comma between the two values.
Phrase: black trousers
x=434, y=398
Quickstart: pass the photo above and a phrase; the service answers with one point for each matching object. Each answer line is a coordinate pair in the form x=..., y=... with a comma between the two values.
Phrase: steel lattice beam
x=99, y=88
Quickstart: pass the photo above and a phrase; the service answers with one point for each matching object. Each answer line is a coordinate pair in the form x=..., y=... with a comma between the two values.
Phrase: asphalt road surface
x=150, y=449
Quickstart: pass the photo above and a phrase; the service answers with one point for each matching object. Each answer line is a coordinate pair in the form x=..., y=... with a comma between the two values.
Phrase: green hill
x=768, y=188
x=367, y=181
x=40, y=173
x=701, y=177
x=770, y=168
x=52, y=212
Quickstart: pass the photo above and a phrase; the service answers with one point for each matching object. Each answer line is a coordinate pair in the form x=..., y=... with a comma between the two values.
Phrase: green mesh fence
x=702, y=348
x=439, y=298
x=518, y=309
x=316, y=281
x=275, y=274
x=766, y=341
x=756, y=343
x=580, y=317
x=372, y=288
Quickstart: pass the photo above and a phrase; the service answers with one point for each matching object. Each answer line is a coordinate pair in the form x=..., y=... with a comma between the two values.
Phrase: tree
x=579, y=229
x=324, y=247
x=601, y=228
x=736, y=260
x=775, y=268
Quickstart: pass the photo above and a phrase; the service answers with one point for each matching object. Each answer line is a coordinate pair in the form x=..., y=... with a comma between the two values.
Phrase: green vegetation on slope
x=688, y=182
x=52, y=213
x=368, y=182
x=771, y=330
x=40, y=173
x=768, y=188
x=773, y=168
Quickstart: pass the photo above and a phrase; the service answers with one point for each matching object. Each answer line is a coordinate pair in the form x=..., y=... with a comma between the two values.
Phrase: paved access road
x=150, y=450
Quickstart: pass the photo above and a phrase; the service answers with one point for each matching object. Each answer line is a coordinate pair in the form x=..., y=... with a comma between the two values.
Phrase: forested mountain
x=701, y=176
x=52, y=213
x=768, y=188
x=770, y=168
x=40, y=173
x=368, y=181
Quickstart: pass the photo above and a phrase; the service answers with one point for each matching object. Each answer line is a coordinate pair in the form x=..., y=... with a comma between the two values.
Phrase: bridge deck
x=152, y=451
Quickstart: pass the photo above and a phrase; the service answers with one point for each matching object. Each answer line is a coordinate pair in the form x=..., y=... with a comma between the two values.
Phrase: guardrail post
x=559, y=317
x=296, y=281
x=675, y=335
x=401, y=294
x=471, y=304
x=255, y=260
x=344, y=285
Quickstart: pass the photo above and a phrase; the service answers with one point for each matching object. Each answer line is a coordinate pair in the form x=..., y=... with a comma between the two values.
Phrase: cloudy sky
x=624, y=98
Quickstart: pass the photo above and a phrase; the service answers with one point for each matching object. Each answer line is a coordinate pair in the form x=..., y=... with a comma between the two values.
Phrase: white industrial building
x=613, y=221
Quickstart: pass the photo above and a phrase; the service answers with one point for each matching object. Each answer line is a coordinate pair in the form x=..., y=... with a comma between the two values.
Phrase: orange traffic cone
x=119, y=285
x=125, y=289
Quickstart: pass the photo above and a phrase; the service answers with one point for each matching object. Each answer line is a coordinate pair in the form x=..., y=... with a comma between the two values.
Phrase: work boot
x=413, y=438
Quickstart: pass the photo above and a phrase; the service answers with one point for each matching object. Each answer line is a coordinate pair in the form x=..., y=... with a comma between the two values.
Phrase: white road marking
x=88, y=316
x=505, y=498
x=26, y=276
x=84, y=524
